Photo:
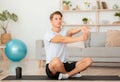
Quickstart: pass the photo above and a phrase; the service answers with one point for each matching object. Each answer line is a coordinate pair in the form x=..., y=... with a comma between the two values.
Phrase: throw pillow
x=98, y=39
x=79, y=44
x=113, y=38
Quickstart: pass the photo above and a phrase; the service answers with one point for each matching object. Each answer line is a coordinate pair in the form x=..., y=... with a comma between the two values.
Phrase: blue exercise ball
x=15, y=50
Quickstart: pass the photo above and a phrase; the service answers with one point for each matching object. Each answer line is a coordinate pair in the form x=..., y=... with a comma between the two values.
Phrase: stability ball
x=15, y=50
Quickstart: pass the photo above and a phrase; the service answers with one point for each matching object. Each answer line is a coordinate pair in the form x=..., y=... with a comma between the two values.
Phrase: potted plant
x=87, y=5
x=66, y=4
x=85, y=20
x=5, y=18
x=117, y=14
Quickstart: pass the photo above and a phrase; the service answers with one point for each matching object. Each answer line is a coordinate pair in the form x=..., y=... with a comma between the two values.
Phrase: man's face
x=56, y=21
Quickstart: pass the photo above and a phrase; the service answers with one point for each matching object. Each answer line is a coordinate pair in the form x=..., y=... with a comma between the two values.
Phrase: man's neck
x=55, y=29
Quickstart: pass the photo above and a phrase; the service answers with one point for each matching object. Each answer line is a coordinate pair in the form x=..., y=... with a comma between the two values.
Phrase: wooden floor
x=30, y=67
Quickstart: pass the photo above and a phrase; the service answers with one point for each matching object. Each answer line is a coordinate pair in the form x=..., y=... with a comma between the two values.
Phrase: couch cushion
x=113, y=38
x=79, y=44
x=106, y=52
x=74, y=51
x=98, y=39
x=87, y=42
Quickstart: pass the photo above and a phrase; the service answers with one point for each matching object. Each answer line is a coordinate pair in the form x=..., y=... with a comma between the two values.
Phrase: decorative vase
x=87, y=5
x=115, y=6
x=84, y=22
x=5, y=37
x=65, y=7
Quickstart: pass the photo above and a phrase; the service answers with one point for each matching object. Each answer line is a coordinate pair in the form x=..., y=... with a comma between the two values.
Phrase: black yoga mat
x=43, y=77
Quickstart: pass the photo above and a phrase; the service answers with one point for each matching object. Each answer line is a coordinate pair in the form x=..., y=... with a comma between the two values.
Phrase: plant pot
x=5, y=37
x=65, y=7
x=85, y=22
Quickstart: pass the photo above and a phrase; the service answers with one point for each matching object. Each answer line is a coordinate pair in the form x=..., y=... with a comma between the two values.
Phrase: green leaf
x=117, y=14
x=14, y=17
x=67, y=2
x=2, y=17
x=85, y=19
x=6, y=14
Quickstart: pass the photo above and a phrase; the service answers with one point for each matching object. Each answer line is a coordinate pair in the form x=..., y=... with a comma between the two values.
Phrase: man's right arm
x=65, y=39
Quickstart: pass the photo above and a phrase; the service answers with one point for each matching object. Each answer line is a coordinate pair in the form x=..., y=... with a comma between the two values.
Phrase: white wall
x=33, y=20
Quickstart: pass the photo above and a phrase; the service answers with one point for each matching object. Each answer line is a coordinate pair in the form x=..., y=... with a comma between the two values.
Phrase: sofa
x=95, y=47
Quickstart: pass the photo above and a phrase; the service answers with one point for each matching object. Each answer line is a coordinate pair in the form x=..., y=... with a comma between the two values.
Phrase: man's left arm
x=74, y=31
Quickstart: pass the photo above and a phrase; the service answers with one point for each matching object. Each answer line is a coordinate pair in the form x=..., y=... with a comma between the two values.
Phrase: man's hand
x=85, y=31
x=73, y=31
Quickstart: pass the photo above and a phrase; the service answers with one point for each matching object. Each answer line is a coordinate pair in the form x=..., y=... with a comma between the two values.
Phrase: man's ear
x=51, y=21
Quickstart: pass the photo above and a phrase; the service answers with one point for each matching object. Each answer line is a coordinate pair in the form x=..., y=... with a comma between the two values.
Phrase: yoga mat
x=43, y=77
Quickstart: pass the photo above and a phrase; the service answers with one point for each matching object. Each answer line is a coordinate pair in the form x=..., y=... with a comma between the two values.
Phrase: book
x=98, y=5
x=104, y=5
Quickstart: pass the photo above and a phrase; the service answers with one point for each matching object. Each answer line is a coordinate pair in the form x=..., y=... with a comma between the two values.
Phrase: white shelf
x=79, y=25
x=108, y=24
x=91, y=25
x=79, y=10
x=100, y=10
x=97, y=10
x=96, y=16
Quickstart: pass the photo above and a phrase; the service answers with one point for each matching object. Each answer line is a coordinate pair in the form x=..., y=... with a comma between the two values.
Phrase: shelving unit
x=96, y=12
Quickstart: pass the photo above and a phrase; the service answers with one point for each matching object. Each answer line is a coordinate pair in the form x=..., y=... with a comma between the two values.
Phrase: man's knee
x=56, y=62
x=88, y=61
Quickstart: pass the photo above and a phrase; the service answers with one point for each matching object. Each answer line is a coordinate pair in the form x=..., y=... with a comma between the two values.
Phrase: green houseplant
x=117, y=14
x=5, y=18
x=85, y=20
x=66, y=4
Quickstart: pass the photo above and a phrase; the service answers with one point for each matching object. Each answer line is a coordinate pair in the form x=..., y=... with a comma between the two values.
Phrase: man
x=55, y=42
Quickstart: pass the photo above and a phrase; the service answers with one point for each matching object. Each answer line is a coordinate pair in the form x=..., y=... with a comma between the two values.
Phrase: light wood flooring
x=30, y=67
